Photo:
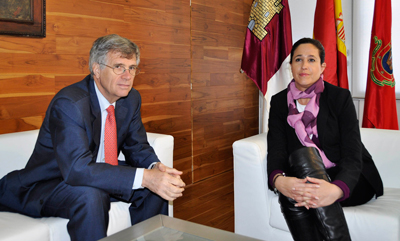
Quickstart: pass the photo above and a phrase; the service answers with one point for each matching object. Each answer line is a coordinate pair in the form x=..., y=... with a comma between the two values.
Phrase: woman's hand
x=299, y=190
x=309, y=192
x=327, y=194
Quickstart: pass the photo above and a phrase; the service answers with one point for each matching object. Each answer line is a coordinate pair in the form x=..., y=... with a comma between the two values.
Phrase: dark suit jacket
x=67, y=146
x=339, y=137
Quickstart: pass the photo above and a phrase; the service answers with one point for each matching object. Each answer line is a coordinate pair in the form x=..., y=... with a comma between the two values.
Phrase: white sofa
x=15, y=150
x=257, y=211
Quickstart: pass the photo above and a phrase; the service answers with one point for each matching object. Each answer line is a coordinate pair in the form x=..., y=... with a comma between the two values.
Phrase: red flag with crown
x=380, y=98
x=268, y=40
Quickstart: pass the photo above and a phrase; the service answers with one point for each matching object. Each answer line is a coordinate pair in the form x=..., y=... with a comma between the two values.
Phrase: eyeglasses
x=119, y=69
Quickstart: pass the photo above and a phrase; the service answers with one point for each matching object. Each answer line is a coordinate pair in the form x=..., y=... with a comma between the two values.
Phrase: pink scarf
x=305, y=123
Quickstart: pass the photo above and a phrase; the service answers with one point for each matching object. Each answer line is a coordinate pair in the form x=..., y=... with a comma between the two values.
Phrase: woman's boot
x=330, y=220
x=301, y=222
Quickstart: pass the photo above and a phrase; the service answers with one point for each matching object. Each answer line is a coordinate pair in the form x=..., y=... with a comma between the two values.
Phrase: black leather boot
x=329, y=220
x=301, y=222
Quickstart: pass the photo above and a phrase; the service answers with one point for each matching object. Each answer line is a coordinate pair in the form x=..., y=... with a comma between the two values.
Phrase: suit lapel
x=120, y=113
x=96, y=115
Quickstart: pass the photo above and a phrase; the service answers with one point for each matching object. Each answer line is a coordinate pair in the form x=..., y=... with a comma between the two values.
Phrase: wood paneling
x=224, y=109
x=190, y=82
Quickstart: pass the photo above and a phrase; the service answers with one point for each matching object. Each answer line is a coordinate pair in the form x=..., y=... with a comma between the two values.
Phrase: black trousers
x=362, y=193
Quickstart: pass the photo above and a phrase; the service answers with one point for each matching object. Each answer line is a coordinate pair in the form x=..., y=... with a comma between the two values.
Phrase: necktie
x=110, y=138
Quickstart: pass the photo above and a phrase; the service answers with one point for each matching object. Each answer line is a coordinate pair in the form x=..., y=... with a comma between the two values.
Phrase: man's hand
x=164, y=181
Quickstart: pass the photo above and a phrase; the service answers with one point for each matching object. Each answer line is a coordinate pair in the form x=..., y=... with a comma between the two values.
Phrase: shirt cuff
x=152, y=165
x=137, y=183
x=271, y=177
x=345, y=189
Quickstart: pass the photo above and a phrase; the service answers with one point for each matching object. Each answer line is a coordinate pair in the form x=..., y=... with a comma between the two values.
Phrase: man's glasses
x=118, y=70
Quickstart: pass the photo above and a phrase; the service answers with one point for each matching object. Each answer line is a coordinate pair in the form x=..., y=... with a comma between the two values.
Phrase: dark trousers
x=87, y=209
x=362, y=193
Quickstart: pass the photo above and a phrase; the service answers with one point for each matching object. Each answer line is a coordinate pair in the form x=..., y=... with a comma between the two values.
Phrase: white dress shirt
x=104, y=104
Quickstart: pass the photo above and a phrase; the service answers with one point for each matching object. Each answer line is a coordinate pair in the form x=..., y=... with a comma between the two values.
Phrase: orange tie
x=110, y=138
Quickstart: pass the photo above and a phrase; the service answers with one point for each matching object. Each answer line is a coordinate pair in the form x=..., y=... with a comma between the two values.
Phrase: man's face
x=111, y=85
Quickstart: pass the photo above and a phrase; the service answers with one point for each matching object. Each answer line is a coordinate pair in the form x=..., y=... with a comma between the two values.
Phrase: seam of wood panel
x=25, y=94
x=82, y=16
x=191, y=89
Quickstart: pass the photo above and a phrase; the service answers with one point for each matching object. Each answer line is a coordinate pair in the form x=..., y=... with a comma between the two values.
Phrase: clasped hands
x=164, y=181
x=308, y=192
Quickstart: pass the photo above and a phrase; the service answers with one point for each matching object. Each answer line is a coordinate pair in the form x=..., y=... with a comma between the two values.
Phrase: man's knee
x=87, y=210
x=76, y=202
x=152, y=205
x=93, y=198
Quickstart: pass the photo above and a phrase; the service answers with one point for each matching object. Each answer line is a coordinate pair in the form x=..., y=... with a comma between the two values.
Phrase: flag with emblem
x=268, y=40
x=267, y=46
x=329, y=30
x=380, y=97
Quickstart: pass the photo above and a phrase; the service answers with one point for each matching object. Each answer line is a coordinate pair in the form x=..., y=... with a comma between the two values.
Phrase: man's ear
x=96, y=70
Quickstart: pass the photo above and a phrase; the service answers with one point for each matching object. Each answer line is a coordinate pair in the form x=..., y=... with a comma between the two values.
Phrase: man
x=73, y=172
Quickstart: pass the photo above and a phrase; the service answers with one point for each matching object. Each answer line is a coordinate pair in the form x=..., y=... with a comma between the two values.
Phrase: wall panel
x=190, y=82
x=224, y=109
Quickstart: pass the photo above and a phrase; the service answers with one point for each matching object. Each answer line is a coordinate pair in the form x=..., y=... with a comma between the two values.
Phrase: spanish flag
x=380, y=98
x=329, y=30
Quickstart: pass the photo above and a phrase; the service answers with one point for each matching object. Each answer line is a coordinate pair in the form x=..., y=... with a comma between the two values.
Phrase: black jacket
x=339, y=136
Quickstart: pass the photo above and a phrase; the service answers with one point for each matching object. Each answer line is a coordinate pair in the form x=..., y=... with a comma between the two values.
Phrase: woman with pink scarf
x=316, y=161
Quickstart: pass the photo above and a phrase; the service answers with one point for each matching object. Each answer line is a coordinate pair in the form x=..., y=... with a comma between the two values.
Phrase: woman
x=316, y=160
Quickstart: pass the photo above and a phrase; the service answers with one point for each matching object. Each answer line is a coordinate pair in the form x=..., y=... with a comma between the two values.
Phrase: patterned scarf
x=305, y=123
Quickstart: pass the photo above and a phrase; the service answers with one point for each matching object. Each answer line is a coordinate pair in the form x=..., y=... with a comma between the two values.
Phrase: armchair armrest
x=250, y=185
x=163, y=146
x=15, y=149
x=383, y=145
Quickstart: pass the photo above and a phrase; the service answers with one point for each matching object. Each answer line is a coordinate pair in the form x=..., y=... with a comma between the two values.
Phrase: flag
x=380, y=97
x=268, y=40
x=267, y=46
x=329, y=30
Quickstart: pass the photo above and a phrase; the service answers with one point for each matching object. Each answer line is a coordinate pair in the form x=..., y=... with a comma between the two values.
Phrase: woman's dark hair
x=314, y=42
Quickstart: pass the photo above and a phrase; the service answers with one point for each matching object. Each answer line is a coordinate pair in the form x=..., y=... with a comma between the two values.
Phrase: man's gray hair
x=112, y=43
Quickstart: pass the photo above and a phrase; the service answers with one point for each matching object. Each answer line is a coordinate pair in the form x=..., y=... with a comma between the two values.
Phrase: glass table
x=164, y=228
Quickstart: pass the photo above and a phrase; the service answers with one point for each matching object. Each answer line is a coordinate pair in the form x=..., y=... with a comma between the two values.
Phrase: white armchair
x=15, y=150
x=257, y=211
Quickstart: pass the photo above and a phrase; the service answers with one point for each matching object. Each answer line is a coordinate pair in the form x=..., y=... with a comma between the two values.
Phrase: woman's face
x=306, y=66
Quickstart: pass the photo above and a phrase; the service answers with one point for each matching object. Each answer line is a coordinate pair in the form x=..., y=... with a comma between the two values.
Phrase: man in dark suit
x=68, y=174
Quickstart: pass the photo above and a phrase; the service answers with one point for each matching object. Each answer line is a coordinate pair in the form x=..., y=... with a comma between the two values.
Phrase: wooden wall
x=191, y=86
